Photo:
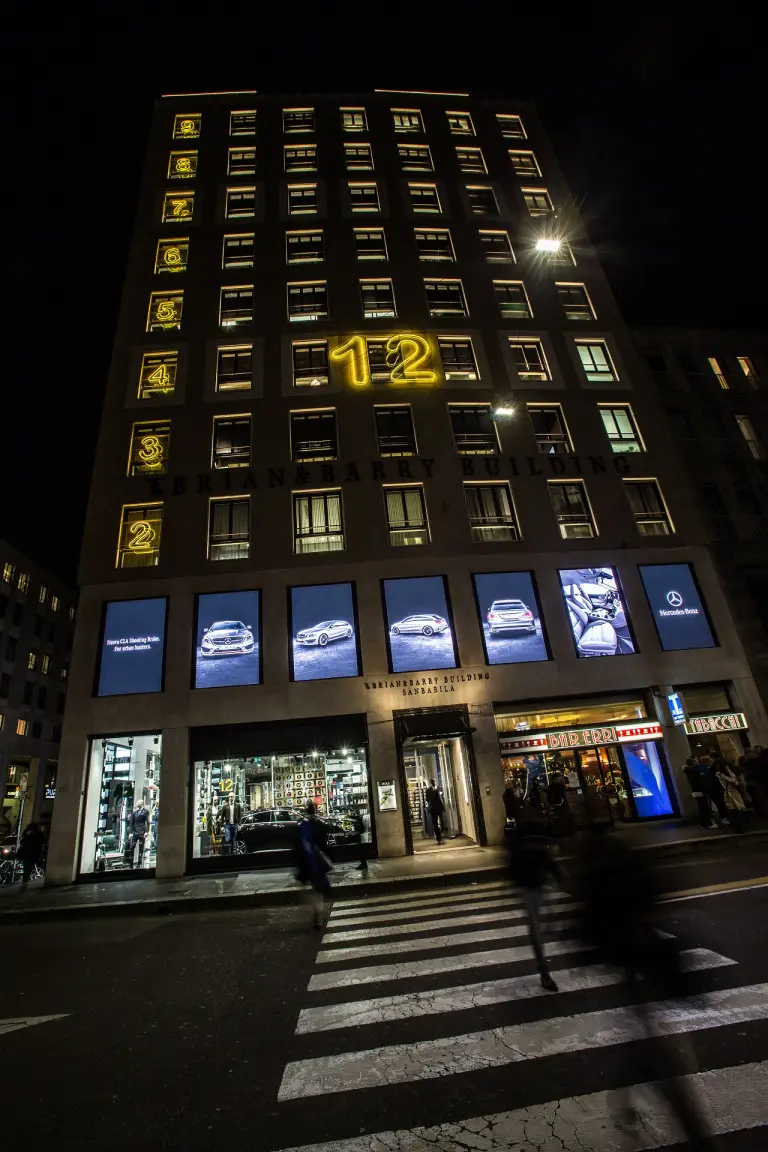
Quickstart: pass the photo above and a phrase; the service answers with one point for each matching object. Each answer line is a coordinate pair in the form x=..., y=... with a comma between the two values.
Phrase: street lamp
x=547, y=244
x=503, y=406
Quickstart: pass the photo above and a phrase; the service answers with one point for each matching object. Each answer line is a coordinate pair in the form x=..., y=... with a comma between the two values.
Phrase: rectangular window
x=482, y=200
x=524, y=163
x=474, y=432
x=648, y=507
x=55, y=603
x=32, y=661
x=182, y=165
x=186, y=126
x=491, y=513
x=434, y=244
x=304, y=247
x=303, y=200
x=172, y=255
x=317, y=522
x=42, y=696
x=308, y=301
x=158, y=374
x=596, y=361
x=395, y=433
x=237, y=251
x=310, y=363
x=718, y=372
x=242, y=123
x=45, y=664
x=231, y=445
x=458, y=358
x=313, y=436
x=497, y=247
x=572, y=509
x=575, y=301
x=178, y=207
x=241, y=162
x=164, y=312
x=229, y=529
x=529, y=358
x=424, y=198
x=71, y=613
x=150, y=445
x=300, y=157
x=460, y=124
x=511, y=126
x=406, y=516
x=358, y=157
x=415, y=158
x=512, y=299
x=138, y=544
x=298, y=120
x=471, y=160
x=445, y=298
x=42, y=595
x=240, y=202
x=353, y=120
x=751, y=438
x=8, y=571
x=364, y=197
x=2, y=721
x=407, y=120
x=22, y=727
x=378, y=299
x=621, y=428
x=550, y=429
x=236, y=306
x=234, y=368
x=381, y=362
x=749, y=370
x=22, y=582
x=537, y=201
x=370, y=244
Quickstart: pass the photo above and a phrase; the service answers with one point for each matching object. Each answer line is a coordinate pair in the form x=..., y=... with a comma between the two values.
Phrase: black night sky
x=657, y=119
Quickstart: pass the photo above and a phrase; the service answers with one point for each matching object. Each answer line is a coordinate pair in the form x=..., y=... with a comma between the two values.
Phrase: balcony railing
x=491, y=529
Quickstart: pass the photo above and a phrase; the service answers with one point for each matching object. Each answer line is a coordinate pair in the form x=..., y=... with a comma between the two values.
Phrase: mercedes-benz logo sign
x=675, y=599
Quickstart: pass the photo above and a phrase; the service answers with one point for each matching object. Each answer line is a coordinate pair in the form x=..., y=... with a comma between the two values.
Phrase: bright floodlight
x=503, y=408
x=547, y=245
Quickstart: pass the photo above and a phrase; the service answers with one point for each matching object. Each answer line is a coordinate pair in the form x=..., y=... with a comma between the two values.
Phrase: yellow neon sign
x=143, y=536
x=177, y=208
x=172, y=255
x=408, y=355
x=182, y=165
x=164, y=311
x=355, y=351
x=151, y=452
x=186, y=127
x=158, y=373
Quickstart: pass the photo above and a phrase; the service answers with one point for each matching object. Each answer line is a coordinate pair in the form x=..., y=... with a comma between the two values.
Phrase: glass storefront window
x=579, y=715
x=122, y=804
x=649, y=788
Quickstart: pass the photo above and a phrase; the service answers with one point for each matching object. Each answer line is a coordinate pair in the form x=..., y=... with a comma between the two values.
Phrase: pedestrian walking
x=714, y=790
x=313, y=862
x=734, y=801
x=31, y=849
x=436, y=809
x=695, y=777
x=531, y=867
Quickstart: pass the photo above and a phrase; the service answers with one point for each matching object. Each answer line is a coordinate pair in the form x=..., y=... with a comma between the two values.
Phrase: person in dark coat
x=695, y=777
x=531, y=866
x=31, y=849
x=313, y=863
x=436, y=809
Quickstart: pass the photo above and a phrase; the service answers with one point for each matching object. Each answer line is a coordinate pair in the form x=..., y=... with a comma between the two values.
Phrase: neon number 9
x=407, y=354
x=355, y=351
x=143, y=536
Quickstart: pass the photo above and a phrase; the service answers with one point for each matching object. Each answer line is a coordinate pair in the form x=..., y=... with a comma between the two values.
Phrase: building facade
x=37, y=623
x=382, y=494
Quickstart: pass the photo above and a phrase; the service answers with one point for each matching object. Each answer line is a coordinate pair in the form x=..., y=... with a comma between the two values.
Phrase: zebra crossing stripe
x=494, y=1048
x=425, y=895
x=594, y=1121
x=330, y=956
x=462, y=997
x=377, y=915
x=496, y=917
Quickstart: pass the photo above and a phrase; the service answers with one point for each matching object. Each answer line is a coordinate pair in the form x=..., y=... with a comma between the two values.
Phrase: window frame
x=467, y=448
x=311, y=232
x=312, y=345
x=308, y=494
x=586, y=502
x=306, y=164
x=246, y=129
x=442, y=281
x=502, y=118
x=613, y=406
x=476, y=152
x=533, y=170
x=444, y=338
x=228, y=266
x=153, y=513
x=534, y=210
x=304, y=416
x=541, y=444
x=584, y=310
x=355, y=207
x=297, y=208
x=176, y=168
x=184, y=117
x=171, y=198
x=362, y=127
x=244, y=321
x=458, y=130
x=488, y=188
x=529, y=374
x=235, y=386
x=237, y=457
x=247, y=166
x=410, y=163
x=661, y=516
x=152, y=362
x=599, y=377
x=426, y=232
x=415, y=207
x=349, y=148
x=377, y=314
x=412, y=128
x=302, y=284
x=525, y=301
x=166, y=245
x=393, y=454
x=512, y=525
x=294, y=129
x=238, y=192
x=244, y=541
x=160, y=429
x=383, y=254
x=497, y=259
x=391, y=490
x=156, y=300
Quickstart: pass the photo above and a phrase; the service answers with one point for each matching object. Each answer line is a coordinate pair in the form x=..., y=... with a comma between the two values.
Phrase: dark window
x=370, y=244
x=303, y=200
x=4, y=607
x=497, y=248
x=313, y=436
x=358, y=157
x=679, y=423
x=241, y=162
x=242, y=123
x=5, y=684
x=18, y=612
x=406, y=516
x=231, y=442
x=445, y=298
x=236, y=306
x=687, y=362
x=310, y=364
x=28, y=690
x=482, y=201
x=712, y=500
x=415, y=157
x=647, y=506
x=307, y=301
x=572, y=510
x=51, y=632
x=424, y=198
x=61, y=702
x=378, y=298
x=655, y=362
x=550, y=429
x=298, y=120
x=234, y=369
x=434, y=244
x=38, y=626
x=394, y=430
x=302, y=158
x=713, y=425
x=240, y=202
x=458, y=357
x=474, y=431
x=37, y=729
x=56, y=735
x=304, y=248
x=237, y=251
x=364, y=197
x=512, y=299
x=491, y=513
x=42, y=696
x=575, y=301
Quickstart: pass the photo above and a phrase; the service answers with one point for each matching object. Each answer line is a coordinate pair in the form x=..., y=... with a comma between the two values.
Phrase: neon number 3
x=356, y=352
x=407, y=354
x=143, y=536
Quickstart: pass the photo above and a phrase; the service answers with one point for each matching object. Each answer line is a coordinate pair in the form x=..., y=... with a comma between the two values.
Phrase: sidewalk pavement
x=276, y=886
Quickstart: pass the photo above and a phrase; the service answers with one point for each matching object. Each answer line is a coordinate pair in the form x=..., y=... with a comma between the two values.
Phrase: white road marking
x=428, y=895
x=426, y=925
x=13, y=1024
x=379, y=915
x=494, y=1048
x=331, y=955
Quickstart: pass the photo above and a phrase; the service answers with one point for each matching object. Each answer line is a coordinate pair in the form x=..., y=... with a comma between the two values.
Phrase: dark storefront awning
x=320, y=733
x=434, y=723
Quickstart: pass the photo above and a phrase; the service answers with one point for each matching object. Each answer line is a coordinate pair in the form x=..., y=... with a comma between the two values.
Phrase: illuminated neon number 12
x=406, y=355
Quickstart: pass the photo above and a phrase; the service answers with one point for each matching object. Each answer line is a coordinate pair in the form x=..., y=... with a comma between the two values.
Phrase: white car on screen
x=324, y=631
x=227, y=638
x=422, y=623
x=511, y=616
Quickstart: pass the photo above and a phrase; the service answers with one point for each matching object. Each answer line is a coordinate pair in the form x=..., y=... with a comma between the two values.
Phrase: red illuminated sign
x=622, y=733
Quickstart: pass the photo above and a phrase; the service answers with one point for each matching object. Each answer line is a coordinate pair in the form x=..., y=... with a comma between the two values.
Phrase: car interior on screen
x=598, y=618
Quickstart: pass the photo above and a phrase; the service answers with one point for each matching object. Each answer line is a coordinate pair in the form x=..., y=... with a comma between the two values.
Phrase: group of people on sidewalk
x=724, y=794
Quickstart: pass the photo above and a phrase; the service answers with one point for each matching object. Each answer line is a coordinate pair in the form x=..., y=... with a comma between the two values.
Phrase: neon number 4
x=355, y=351
x=161, y=378
x=143, y=536
x=407, y=354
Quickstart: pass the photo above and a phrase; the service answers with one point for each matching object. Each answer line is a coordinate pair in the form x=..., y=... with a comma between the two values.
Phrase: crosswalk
x=414, y=988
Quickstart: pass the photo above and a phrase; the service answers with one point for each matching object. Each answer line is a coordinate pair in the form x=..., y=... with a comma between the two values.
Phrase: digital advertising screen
x=596, y=610
x=678, y=613
x=227, y=648
x=323, y=632
x=132, y=647
x=419, y=626
x=510, y=618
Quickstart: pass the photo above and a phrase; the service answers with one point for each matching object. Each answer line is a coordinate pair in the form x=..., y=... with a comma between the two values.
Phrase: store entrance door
x=597, y=790
x=447, y=763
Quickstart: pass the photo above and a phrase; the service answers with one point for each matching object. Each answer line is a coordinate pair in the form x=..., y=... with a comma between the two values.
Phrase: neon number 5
x=166, y=310
x=355, y=351
x=143, y=536
x=407, y=354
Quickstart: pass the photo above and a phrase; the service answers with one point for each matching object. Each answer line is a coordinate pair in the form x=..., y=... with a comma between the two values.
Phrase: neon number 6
x=415, y=352
x=356, y=352
x=143, y=536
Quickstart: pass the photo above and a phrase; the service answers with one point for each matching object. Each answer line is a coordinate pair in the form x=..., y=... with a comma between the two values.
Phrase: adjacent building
x=383, y=494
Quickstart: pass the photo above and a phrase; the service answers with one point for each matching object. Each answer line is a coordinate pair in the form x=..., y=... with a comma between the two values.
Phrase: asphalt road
x=337, y=658
x=226, y=671
x=234, y=1029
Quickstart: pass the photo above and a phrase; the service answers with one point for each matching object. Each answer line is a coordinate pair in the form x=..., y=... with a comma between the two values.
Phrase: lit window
x=182, y=165
x=45, y=664
x=474, y=431
x=378, y=297
x=32, y=661
x=407, y=120
x=471, y=160
x=158, y=374
x=538, y=202
x=2, y=721
x=353, y=120
x=241, y=162
x=381, y=362
x=524, y=163
x=64, y=672
x=8, y=571
x=298, y=120
x=434, y=244
x=358, y=157
x=511, y=126
x=491, y=513
x=750, y=436
x=718, y=372
x=406, y=516
x=22, y=727
x=364, y=197
x=424, y=198
x=55, y=603
x=236, y=306
x=138, y=544
x=572, y=509
x=395, y=433
x=482, y=200
x=370, y=244
x=300, y=158
x=596, y=361
x=71, y=613
x=415, y=157
x=749, y=370
x=576, y=302
x=229, y=529
x=22, y=582
x=445, y=298
x=458, y=358
x=313, y=436
x=304, y=247
x=497, y=247
x=150, y=444
x=240, y=202
x=317, y=522
x=621, y=428
x=310, y=363
x=242, y=123
x=186, y=126
x=550, y=429
x=308, y=301
x=234, y=368
x=172, y=255
x=237, y=250
x=231, y=445
x=512, y=299
x=303, y=200
x=648, y=507
x=177, y=207
x=460, y=124
x=164, y=311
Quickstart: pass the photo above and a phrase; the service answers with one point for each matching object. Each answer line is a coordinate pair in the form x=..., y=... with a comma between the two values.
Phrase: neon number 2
x=143, y=536
x=415, y=353
x=355, y=351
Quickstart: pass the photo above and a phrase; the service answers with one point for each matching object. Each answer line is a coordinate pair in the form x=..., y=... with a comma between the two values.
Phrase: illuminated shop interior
x=122, y=805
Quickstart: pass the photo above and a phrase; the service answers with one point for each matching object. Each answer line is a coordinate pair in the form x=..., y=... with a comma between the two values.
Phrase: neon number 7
x=355, y=351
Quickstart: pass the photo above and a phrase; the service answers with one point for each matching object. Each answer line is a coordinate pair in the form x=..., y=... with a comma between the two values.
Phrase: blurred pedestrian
x=756, y=778
x=714, y=790
x=695, y=777
x=531, y=867
x=30, y=851
x=436, y=809
x=314, y=865
x=734, y=801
